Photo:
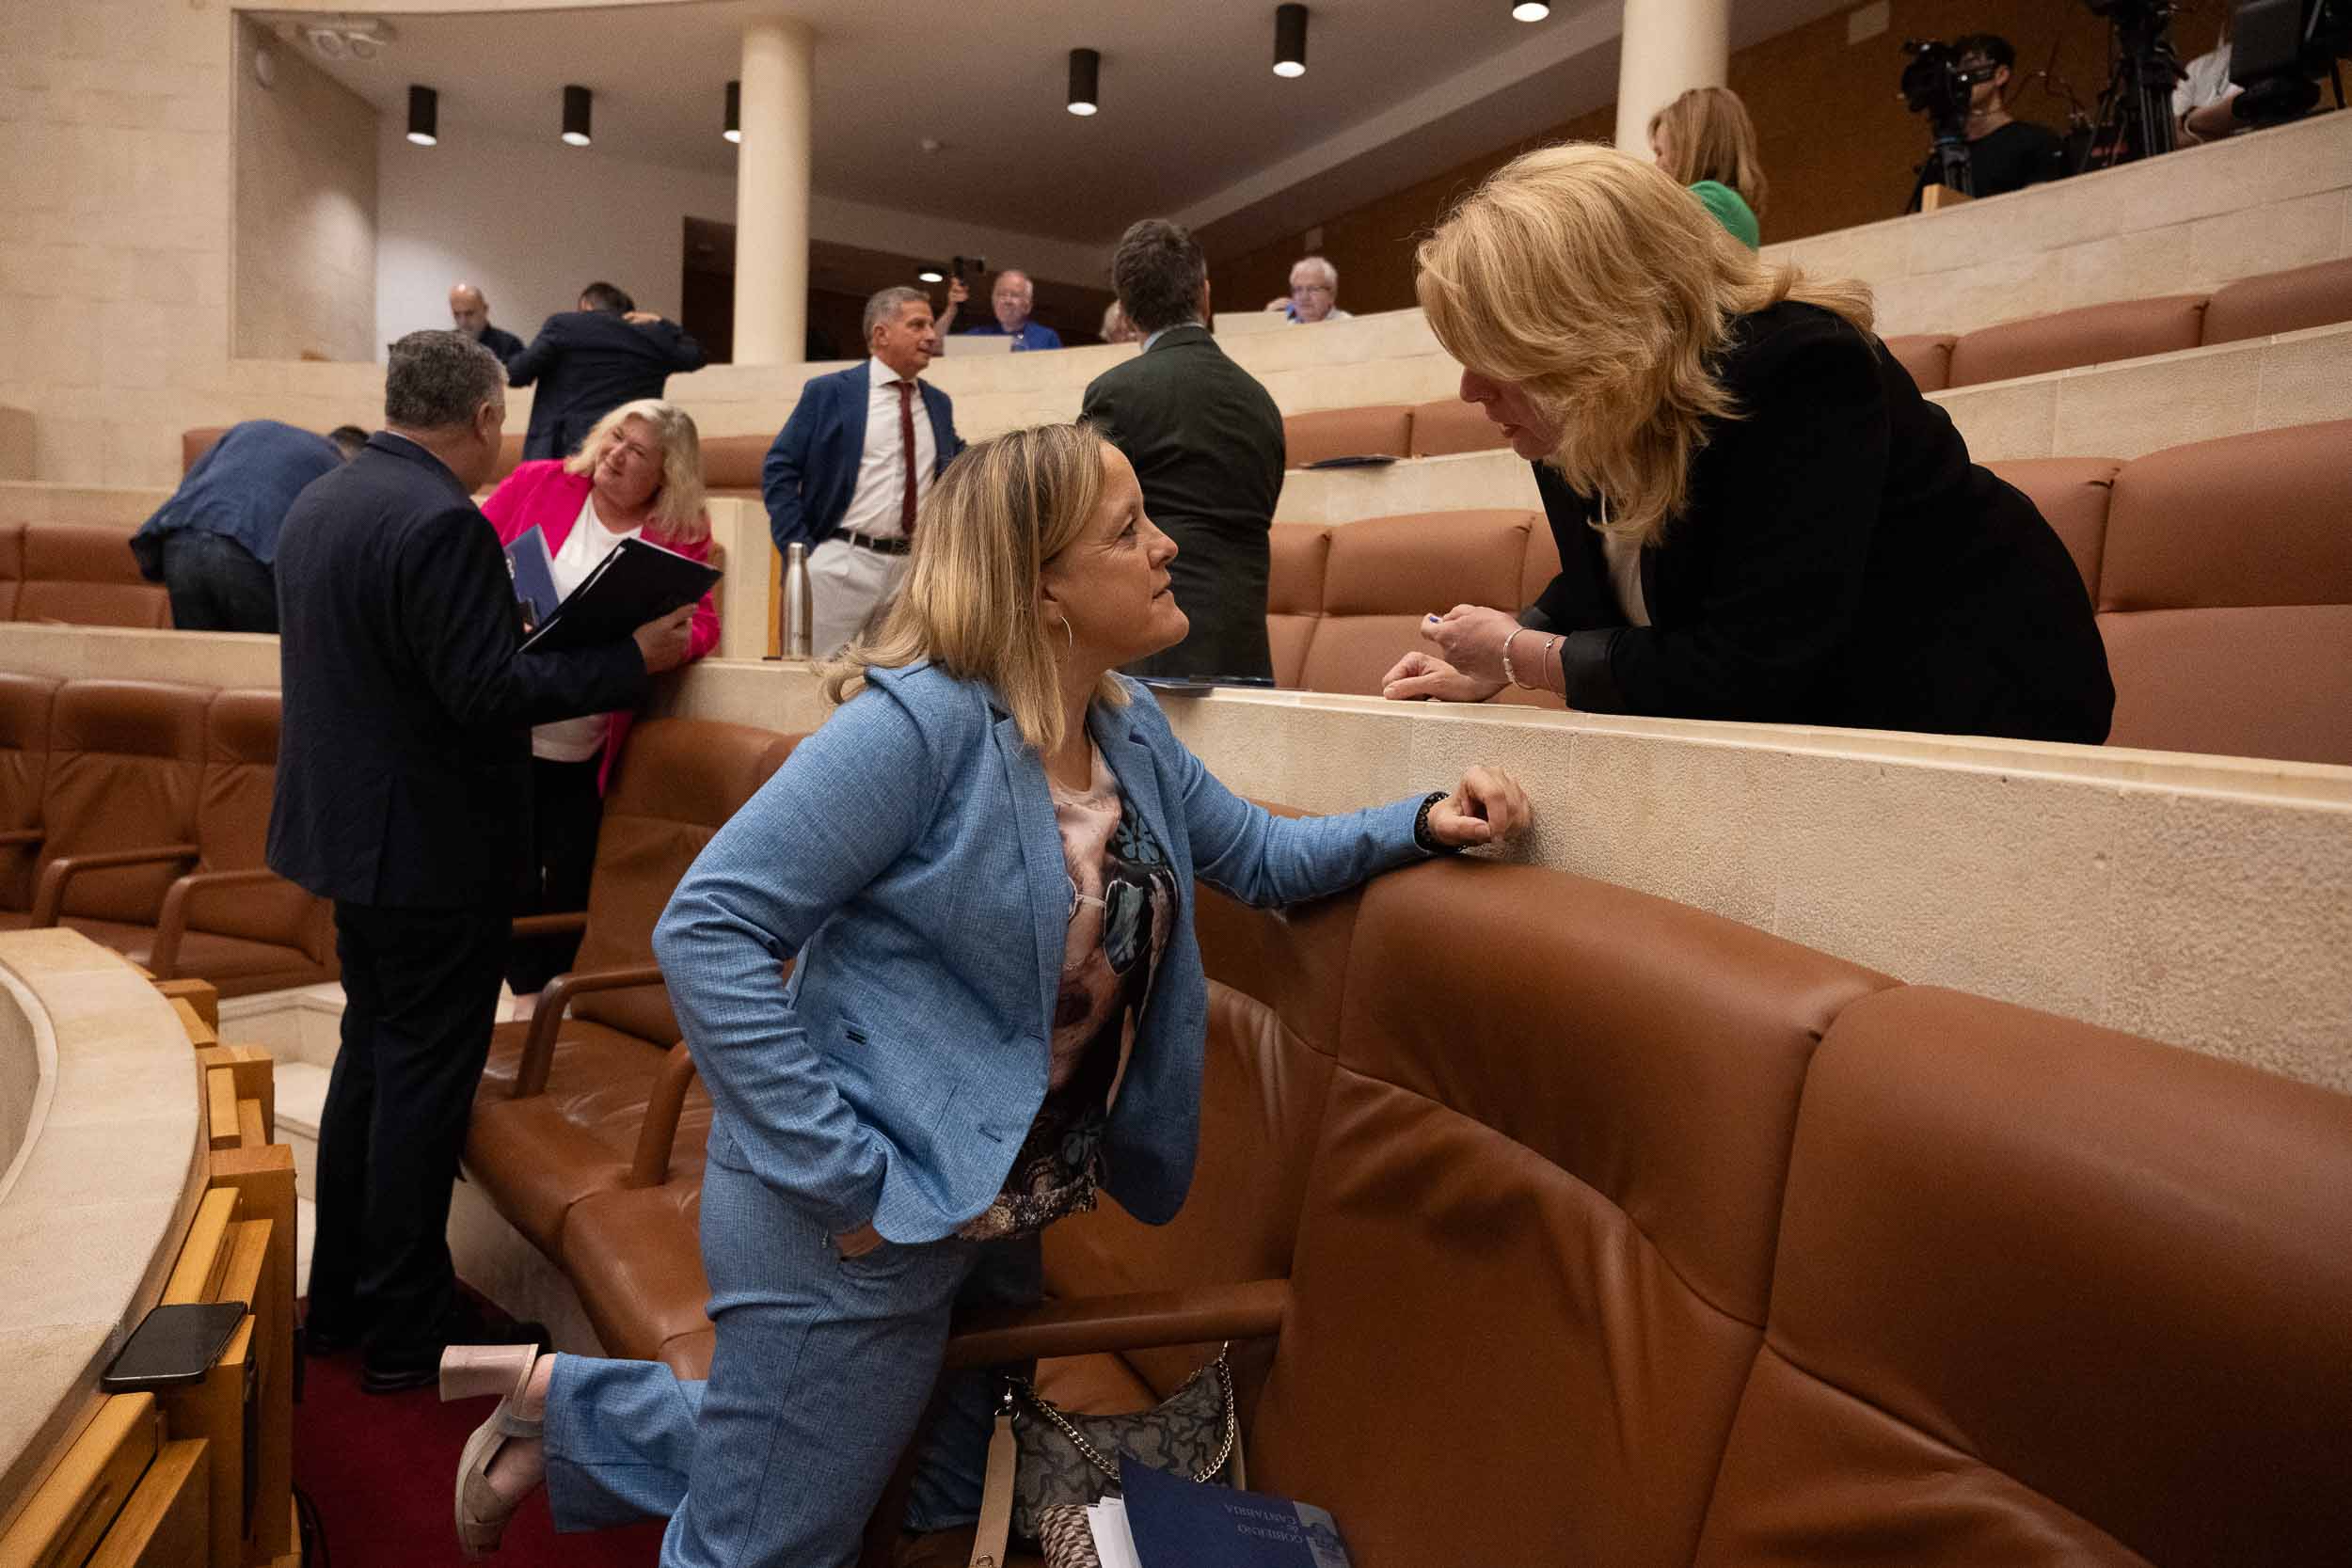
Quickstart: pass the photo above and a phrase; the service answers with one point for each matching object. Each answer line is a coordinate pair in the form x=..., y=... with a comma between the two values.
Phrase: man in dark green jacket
x=1206, y=442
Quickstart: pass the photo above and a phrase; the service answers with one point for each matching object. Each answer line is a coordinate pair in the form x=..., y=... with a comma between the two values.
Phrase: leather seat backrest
x=2225, y=596
x=2317, y=296
x=86, y=576
x=731, y=464
x=12, y=567
x=26, y=701
x=1541, y=1218
x=125, y=760
x=1376, y=430
x=1927, y=355
x=195, y=443
x=2092, y=335
x=2048, y=1295
x=678, y=781
x=1384, y=574
x=240, y=731
x=1275, y=981
x=1294, y=600
x=1448, y=425
x=2072, y=493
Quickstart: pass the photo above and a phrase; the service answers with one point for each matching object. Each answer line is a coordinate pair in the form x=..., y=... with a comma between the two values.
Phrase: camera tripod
x=2136, y=110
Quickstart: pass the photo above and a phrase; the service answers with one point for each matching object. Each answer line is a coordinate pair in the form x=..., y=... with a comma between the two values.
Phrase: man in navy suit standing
x=590, y=361
x=404, y=795
x=853, y=463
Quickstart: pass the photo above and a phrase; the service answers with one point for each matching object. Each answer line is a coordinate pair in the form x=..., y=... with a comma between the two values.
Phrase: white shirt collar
x=879, y=375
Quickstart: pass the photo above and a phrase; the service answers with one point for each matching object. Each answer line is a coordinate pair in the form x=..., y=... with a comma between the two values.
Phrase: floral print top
x=1123, y=900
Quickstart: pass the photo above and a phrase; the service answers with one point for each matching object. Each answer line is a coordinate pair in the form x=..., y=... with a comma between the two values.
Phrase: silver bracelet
x=1508, y=673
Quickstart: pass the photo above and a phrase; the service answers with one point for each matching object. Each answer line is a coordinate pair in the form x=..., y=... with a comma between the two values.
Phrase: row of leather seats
x=137, y=814
x=2318, y=296
x=2221, y=572
x=1602, y=1230
x=74, y=575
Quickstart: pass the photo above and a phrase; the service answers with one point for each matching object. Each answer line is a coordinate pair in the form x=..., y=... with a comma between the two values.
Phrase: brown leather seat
x=2092, y=335
x=1448, y=425
x=731, y=464
x=1927, y=355
x=240, y=927
x=86, y=576
x=1296, y=555
x=126, y=759
x=2225, y=596
x=1377, y=429
x=2046, y=1294
x=195, y=443
x=1384, y=574
x=678, y=781
x=12, y=567
x=26, y=701
x=2317, y=296
x=2073, y=494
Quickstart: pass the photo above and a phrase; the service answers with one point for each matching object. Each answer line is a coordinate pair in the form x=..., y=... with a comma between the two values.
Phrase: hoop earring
x=1069, y=638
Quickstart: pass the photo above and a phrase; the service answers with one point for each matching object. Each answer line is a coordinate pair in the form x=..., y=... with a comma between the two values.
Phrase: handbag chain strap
x=1088, y=1452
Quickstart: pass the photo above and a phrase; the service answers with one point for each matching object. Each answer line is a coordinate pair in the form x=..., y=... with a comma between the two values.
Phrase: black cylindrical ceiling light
x=1086, y=81
x=576, y=106
x=1289, y=41
x=734, y=132
x=425, y=115
x=1530, y=11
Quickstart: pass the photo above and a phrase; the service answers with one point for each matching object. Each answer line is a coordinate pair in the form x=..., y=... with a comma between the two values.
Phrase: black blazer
x=1840, y=561
x=588, y=363
x=1206, y=442
x=403, y=761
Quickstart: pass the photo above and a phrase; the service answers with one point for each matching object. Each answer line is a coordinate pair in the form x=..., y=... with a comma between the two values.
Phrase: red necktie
x=906, y=445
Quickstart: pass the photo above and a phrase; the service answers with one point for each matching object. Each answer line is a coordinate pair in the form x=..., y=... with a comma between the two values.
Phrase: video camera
x=1935, y=83
x=2280, y=49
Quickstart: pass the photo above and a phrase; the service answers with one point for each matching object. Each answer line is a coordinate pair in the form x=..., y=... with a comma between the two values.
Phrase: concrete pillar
x=1667, y=48
x=771, y=194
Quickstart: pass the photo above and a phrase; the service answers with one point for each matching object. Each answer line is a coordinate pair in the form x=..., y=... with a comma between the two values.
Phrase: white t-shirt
x=881, y=477
x=2207, y=81
x=585, y=548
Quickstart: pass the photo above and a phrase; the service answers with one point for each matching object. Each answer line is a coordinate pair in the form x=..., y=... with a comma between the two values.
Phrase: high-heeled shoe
x=477, y=1371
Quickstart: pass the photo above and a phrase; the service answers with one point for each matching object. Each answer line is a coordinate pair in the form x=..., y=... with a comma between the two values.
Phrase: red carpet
x=380, y=1470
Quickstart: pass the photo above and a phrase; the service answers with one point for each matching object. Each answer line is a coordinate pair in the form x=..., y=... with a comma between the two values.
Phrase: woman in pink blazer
x=639, y=471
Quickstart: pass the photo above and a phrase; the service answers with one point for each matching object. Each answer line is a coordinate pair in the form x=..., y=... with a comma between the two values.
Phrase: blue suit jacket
x=906, y=853
x=812, y=468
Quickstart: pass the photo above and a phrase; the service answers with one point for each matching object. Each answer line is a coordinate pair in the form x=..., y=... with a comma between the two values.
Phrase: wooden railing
x=200, y=1476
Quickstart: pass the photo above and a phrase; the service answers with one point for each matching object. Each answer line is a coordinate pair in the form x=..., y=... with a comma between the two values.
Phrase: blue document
x=534, y=578
x=1178, y=1523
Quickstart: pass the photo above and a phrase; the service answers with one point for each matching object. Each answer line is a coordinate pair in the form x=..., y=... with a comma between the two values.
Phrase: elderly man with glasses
x=1315, y=293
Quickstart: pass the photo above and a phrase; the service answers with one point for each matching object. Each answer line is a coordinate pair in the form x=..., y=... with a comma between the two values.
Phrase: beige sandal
x=477, y=1371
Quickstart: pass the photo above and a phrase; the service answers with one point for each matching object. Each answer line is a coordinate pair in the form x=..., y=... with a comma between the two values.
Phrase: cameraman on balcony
x=2004, y=155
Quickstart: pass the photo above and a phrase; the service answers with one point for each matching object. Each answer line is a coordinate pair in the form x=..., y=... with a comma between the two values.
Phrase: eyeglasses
x=1312, y=289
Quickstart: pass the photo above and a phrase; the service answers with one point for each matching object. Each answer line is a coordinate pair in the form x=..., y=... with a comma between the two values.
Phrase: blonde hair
x=1001, y=512
x=1592, y=280
x=1710, y=137
x=677, y=509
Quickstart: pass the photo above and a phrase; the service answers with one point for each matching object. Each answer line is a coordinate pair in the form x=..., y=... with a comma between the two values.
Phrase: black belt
x=872, y=542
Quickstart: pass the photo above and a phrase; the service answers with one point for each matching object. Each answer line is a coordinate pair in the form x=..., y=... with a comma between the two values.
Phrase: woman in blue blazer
x=983, y=864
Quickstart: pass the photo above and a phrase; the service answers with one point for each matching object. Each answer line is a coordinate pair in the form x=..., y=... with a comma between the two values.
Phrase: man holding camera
x=2004, y=155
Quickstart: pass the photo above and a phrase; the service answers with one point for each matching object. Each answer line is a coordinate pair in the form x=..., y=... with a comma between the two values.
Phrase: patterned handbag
x=1045, y=1465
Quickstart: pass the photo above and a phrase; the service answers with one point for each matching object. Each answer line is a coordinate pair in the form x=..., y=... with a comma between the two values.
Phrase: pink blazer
x=541, y=495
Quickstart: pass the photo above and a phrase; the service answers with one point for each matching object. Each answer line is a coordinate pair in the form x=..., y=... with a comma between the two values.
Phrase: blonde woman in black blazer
x=1758, y=515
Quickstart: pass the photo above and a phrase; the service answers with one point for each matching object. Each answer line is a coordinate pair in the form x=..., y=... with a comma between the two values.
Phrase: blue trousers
x=822, y=1371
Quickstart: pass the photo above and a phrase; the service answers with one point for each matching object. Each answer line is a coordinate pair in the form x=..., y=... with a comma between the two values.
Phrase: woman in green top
x=1705, y=141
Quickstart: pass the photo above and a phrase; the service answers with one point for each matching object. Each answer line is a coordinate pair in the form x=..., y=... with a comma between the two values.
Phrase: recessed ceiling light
x=1530, y=11
x=930, y=275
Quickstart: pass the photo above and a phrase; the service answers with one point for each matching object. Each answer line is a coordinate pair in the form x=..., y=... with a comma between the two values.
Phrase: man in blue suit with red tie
x=853, y=463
